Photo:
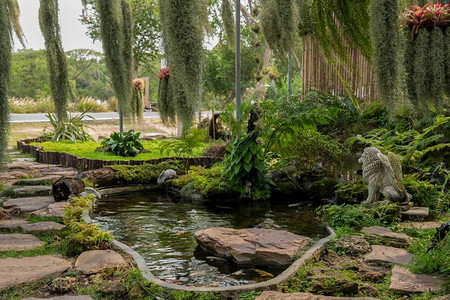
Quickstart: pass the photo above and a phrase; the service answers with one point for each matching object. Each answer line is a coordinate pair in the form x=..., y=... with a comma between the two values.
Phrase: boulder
x=252, y=246
x=354, y=244
x=15, y=271
x=91, y=262
x=19, y=242
x=272, y=295
x=388, y=255
x=386, y=236
x=403, y=280
x=27, y=205
x=48, y=227
x=53, y=210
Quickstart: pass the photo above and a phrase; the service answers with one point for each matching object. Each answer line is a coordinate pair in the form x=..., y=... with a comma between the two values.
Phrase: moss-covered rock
x=352, y=192
x=147, y=173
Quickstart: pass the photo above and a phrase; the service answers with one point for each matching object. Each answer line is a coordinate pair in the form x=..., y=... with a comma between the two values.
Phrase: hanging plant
x=386, y=50
x=430, y=15
x=56, y=58
x=182, y=24
x=165, y=98
x=447, y=61
x=421, y=66
x=137, y=101
x=408, y=59
x=228, y=22
x=437, y=65
x=115, y=31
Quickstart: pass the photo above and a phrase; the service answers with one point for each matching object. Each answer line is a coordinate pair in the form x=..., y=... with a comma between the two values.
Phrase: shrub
x=125, y=144
x=352, y=192
x=324, y=188
x=423, y=192
x=434, y=261
x=191, y=139
x=72, y=129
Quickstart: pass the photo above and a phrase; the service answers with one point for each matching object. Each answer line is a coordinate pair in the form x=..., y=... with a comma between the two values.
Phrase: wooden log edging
x=311, y=254
x=84, y=164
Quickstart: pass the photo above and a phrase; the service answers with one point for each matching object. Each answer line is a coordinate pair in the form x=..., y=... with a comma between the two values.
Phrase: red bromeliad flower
x=164, y=73
x=429, y=15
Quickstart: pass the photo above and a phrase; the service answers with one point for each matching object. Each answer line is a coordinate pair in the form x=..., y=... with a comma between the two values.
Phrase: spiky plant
x=228, y=22
x=56, y=58
x=116, y=36
x=384, y=32
x=182, y=24
x=437, y=65
x=421, y=66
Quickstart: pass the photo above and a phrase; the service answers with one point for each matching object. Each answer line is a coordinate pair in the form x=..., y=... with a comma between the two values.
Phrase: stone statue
x=384, y=176
x=165, y=175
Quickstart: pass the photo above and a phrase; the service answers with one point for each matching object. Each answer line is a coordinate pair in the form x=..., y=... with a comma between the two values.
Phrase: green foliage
x=324, y=188
x=125, y=144
x=190, y=140
x=245, y=167
x=375, y=115
x=421, y=63
x=434, y=261
x=56, y=58
x=146, y=173
x=5, y=70
x=182, y=24
x=352, y=192
x=116, y=35
x=357, y=216
x=423, y=192
x=228, y=22
x=384, y=33
x=71, y=128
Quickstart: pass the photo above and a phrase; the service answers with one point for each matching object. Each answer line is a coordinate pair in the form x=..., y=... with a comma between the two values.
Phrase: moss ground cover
x=87, y=150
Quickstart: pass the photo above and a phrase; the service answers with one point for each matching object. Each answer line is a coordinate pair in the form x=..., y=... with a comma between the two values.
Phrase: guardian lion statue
x=384, y=176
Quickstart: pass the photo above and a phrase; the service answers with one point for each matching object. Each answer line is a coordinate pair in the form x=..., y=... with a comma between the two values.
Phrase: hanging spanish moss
x=13, y=15
x=5, y=69
x=408, y=62
x=116, y=36
x=437, y=66
x=280, y=22
x=137, y=100
x=447, y=60
x=421, y=66
x=165, y=98
x=182, y=24
x=228, y=22
x=56, y=58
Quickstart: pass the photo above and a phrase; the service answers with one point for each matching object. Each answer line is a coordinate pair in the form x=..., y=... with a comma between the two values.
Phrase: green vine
x=56, y=58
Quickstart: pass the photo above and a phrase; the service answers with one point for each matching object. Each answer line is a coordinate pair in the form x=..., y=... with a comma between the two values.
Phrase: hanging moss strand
x=228, y=22
x=115, y=31
x=56, y=58
x=13, y=14
x=5, y=69
x=421, y=65
x=165, y=102
x=437, y=66
x=447, y=60
x=408, y=62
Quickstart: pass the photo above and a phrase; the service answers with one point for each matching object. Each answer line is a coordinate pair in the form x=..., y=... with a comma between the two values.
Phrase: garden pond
x=161, y=229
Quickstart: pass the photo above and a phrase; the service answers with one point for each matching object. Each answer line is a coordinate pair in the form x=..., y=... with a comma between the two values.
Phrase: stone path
x=388, y=255
x=386, y=236
x=19, y=242
x=403, y=280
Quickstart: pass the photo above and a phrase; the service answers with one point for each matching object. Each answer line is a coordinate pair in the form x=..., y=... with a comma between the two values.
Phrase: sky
x=72, y=31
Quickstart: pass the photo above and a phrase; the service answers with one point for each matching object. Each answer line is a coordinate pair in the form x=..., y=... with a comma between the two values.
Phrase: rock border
x=312, y=253
x=83, y=164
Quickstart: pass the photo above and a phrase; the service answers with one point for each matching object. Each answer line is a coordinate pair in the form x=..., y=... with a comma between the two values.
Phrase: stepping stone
x=386, y=236
x=29, y=166
x=355, y=244
x=417, y=212
x=39, y=180
x=29, y=204
x=50, y=227
x=12, y=224
x=402, y=280
x=446, y=297
x=30, y=159
x=389, y=255
x=53, y=210
x=271, y=295
x=15, y=271
x=420, y=225
x=28, y=191
x=13, y=175
x=64, y=298
x=18, y=242
x=91, y=262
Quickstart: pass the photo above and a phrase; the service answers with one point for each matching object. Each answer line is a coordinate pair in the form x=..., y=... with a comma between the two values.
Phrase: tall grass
x=46, y=105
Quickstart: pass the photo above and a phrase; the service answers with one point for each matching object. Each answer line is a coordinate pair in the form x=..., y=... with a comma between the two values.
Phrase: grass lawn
x=87, y=150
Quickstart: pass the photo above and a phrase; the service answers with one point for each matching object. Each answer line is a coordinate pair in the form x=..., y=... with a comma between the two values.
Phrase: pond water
x=161, y=229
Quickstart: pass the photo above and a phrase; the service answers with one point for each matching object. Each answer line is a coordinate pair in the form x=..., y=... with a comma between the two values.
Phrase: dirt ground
x=20, y=131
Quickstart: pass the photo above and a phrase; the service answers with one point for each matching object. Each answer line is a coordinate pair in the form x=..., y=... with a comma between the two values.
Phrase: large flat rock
x=386, y=236
x=417, y=212
x=19, y=242
x=53, y=210
x=64, y=298
x=15, y=271
x=273, y=295
x=253, y=246
x=34, y=190
x=48, y=227
x=402, y=280
x=388, y=255
x=420, y=225
x=12, y=223
x=40, y=180
x=29, y=204
x=94, y=261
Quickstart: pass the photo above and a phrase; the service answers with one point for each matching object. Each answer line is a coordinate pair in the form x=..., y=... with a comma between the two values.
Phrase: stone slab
x=355, y=244
x=19, y=242
x=252, y=246
x=91, y=262
x=418, y=212
x=64, y=298
x=37, y=180
x=15, y=271
x=445, y=297
x=12, y=223
x=402, y=280
x=53, y=210
x=420, y=225
x=386, y=236
x=29, y=204
x=40, y=190
x=50, y=227
x=388, y=255
x=273, y=295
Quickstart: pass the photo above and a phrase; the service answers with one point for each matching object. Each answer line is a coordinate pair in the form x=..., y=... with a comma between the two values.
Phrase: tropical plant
x=72, y=128
x=125, y=144
x=56, y=58
x=429, y=15
x=190, y=139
